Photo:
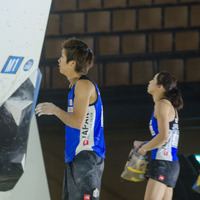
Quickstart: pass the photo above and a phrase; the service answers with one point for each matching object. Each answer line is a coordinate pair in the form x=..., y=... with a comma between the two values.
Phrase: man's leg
x=65, y=191
x=87, y=173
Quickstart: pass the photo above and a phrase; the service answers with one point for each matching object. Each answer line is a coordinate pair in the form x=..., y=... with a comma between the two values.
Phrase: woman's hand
x=141, y=151
x=137, y=144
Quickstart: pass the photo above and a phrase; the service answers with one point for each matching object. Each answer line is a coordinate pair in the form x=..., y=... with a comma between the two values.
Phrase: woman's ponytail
x=174, y=95
x=171, y=90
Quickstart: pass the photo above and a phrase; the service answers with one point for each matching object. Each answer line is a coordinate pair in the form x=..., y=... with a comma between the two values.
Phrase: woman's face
x=152, y=85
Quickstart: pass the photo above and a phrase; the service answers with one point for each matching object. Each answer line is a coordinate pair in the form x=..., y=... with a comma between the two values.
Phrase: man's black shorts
x=82, y=179
x=163, y=171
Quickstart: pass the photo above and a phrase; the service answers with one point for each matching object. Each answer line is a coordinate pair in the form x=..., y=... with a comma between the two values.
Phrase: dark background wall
x=132, y=41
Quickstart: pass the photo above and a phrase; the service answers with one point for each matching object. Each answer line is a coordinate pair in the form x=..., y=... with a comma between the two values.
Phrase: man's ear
x=72, y=63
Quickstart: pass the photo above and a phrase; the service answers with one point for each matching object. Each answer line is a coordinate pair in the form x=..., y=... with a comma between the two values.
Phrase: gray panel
x=33, y=183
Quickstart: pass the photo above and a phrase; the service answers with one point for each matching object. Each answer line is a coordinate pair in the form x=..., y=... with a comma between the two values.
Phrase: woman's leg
x=168, y=193
x=155, y=190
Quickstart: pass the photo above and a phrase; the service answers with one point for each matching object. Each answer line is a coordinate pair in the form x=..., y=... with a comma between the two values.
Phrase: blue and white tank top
x=90, y=136
x=169, y=149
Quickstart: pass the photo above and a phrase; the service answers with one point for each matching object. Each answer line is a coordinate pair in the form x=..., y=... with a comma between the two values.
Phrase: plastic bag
x=136, y=166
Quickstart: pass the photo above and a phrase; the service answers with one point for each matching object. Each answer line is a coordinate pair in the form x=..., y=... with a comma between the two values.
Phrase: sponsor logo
x=85, y=142
x=151, y=128
x=165, y=153
x=175, y=138
x=96, y=193
x=86, y=127
x=70, y=102
x=70, y=110
x=101, y=116
x=86, y=197
x=161, y=178
x=28, y=65
x=12, y=65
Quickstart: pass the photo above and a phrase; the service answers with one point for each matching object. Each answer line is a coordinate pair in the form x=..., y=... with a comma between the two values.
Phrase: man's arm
x=162, y=109
x=82, y=93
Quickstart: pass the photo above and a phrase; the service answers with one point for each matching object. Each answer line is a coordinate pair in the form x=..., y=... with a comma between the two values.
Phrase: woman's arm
x=162, y=109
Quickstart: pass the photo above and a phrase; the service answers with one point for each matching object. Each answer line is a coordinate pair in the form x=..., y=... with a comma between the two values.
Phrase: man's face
x=64, y=67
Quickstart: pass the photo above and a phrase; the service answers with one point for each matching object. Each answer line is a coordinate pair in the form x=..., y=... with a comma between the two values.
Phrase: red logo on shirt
x=86, y=197
x=85, y=142
x=161, y=178
x=165, y=153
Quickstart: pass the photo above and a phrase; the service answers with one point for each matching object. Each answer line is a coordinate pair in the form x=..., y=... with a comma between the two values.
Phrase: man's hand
x=45, y=109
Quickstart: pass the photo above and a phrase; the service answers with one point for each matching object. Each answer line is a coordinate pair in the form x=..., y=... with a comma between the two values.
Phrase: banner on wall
x=23, y=25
